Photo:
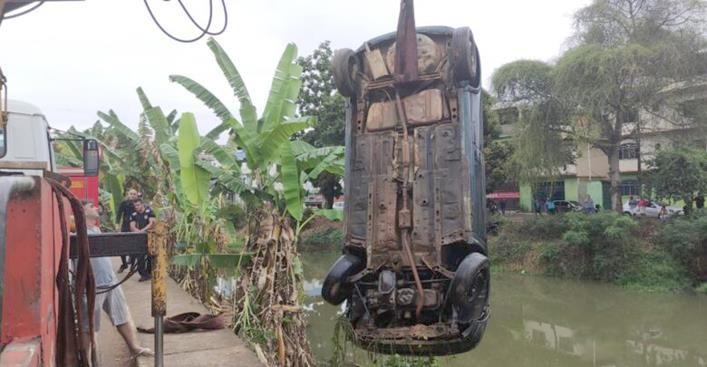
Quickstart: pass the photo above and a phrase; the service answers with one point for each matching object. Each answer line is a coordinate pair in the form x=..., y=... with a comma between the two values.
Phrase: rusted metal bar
x=406, y=44
x=113, y=244
x=157, y=246
x=404, y=217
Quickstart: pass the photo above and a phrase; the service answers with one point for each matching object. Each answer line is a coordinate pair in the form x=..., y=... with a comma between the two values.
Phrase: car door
x=653, y=210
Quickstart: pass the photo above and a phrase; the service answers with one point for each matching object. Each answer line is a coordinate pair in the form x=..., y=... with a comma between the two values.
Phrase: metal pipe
x=159, y=341
x=404, y=220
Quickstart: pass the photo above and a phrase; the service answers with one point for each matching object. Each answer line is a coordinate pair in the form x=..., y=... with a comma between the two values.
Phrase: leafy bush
x=326, y=237
x=684, y=239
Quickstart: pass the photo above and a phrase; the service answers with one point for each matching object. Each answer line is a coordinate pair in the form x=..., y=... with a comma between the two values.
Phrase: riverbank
x=645, y=254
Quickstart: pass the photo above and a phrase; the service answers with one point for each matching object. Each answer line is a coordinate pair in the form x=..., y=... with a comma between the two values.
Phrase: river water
x=538, y=321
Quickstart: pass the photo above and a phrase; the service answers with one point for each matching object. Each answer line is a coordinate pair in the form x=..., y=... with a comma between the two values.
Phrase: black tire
x=464, y=57
x=335, y=288
x=345, y=68
x=470, y=288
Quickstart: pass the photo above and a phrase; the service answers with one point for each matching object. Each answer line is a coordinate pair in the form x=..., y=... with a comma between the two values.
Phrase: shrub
x=327, y=237
x=684, y=238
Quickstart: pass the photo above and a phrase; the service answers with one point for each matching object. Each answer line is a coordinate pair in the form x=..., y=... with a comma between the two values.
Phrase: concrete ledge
x=193, y=349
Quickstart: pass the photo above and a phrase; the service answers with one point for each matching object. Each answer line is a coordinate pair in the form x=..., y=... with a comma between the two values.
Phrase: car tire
x=470, y=288
x=464, y=57
x=345, y=68
x=335, y=288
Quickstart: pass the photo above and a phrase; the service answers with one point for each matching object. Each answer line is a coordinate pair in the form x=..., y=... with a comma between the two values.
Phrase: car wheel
x=345, y=68
x=470, y=288
x=335, y=288
x=464, y=56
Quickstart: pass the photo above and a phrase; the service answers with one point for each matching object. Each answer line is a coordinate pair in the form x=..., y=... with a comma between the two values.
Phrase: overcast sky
x=72, y=59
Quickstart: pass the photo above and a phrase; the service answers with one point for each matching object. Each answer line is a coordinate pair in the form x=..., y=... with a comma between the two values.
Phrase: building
x=662, y=126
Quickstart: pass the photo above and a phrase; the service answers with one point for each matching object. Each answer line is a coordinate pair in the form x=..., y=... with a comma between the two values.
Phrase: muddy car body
x=414, y=272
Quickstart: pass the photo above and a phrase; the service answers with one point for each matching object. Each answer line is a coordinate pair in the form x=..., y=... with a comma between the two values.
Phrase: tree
x=625, y=52
x=679, y=174
x=319, y=98
x=497, y=154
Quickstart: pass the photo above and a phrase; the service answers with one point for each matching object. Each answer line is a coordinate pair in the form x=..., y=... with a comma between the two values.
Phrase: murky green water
x=537, y=321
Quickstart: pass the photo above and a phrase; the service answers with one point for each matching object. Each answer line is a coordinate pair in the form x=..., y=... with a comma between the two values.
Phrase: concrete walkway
x=193, y=349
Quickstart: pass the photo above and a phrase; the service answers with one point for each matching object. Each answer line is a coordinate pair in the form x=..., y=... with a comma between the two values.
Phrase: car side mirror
x=91, y=158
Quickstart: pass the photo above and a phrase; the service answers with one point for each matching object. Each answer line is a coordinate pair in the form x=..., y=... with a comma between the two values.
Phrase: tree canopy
x=623, y=53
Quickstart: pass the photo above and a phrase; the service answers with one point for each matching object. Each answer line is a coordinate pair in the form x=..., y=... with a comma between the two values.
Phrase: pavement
x=193, y=349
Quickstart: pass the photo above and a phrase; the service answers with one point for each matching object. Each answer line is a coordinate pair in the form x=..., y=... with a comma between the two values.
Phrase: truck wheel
x=345, y=68
x=463, y=56
x=335, y=288
x=470, y=288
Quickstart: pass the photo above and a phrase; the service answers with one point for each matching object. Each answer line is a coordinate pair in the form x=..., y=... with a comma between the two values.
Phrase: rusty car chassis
x=414, y=272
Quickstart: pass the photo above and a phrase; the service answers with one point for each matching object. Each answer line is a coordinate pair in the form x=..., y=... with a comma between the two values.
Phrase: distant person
x=538, y=206
x=142, y=220
x=588, y=205
x=663, y=215
x=503, y=207
x=632, y=202
x=122, y=216
x=550, y=206
x=700, y=201
x=111, y=301
x=642, y=205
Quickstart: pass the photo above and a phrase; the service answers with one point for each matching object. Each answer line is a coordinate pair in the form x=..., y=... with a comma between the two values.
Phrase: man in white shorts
x=111, y=301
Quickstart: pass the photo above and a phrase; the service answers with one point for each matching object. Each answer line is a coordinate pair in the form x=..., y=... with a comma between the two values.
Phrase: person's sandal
x=143, y=352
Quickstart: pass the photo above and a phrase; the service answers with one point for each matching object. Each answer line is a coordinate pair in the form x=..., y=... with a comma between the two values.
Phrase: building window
x=628, y=151
x=552, y=190
x=629, y=188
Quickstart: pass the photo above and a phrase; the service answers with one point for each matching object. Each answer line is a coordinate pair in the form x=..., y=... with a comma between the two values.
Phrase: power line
x=225, y=20
x=204, y=30
x=23, y=12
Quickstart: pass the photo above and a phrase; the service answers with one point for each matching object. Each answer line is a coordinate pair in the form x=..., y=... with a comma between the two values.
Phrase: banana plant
x=267, y=140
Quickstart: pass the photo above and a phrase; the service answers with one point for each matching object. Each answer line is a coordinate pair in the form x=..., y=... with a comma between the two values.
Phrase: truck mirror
x=91, y=159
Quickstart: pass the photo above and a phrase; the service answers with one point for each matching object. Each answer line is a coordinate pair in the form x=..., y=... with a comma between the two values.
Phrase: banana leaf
x=278, y=137
x=331, y=214
x=143, y=99
x=247, y=110
x=204, y=95
x=289, y=173
x=112, y=119
x=195, y=180
x=158, y=122
x=285, y=80
x=224, y=156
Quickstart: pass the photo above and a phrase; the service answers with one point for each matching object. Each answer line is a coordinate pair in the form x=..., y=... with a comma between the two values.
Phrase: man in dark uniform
x=122, y=216
x=142, y=220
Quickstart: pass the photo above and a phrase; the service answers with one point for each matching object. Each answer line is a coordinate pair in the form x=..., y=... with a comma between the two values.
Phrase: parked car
x=565, y=206
x=652, y=210
x=414, y=271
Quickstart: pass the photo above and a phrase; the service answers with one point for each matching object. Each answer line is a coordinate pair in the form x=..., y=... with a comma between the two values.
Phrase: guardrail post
x=157, y=247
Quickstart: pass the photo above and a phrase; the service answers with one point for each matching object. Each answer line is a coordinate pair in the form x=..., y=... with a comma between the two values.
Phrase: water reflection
x=539, y=321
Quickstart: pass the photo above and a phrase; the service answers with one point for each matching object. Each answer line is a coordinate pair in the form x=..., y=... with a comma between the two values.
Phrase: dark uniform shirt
x=124, y=213
x=142, y=219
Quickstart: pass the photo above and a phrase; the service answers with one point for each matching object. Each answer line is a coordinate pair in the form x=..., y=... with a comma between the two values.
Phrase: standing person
x=111, y=301
x=122, y=216
x=503, y=207
x=538, y=206
x=588, y=205
x=642, y=204
x=142, y=220
x=550, y=205
x=700, y=201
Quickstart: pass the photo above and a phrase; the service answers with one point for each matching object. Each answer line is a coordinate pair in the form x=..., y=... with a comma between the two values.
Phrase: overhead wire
x=225, y=19
x=24, y=11
x=204, y=30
